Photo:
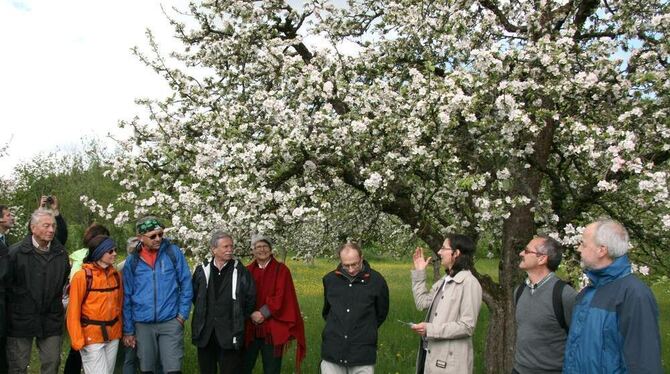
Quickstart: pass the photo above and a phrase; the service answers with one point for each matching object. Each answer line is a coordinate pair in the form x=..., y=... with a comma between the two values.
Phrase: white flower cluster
x=435, y=107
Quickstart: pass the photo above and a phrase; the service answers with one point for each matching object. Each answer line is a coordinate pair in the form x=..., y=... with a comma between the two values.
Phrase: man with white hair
x=614, y=325
x=38, y=270
x=224, y=296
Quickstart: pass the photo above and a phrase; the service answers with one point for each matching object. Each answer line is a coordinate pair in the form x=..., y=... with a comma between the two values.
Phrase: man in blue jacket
x=157, y=299
x=614, y=325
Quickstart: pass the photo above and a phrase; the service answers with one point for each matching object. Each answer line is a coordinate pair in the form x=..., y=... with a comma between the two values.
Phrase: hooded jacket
x=103, y=303
x=158, y=294
x=614, y=327
x=354, y=308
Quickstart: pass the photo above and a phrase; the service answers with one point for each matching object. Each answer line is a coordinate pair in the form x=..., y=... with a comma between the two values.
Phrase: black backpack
x=556, y=299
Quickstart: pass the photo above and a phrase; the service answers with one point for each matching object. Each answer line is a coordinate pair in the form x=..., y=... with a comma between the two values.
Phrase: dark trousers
x=271, y=364
x=73, y=363
x=229, y=361
x=3, y=355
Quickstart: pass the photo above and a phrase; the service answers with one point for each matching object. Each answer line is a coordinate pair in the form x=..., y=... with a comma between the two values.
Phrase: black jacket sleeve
x=250, y=295
x=195, y=282
x=61, y=229
x=382, y=302
x=326, y=306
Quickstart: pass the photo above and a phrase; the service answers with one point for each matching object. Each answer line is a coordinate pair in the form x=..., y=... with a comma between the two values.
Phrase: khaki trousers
x=328, y=367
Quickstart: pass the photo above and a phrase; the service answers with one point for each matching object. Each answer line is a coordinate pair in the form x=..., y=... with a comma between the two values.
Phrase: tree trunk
x=518, y=229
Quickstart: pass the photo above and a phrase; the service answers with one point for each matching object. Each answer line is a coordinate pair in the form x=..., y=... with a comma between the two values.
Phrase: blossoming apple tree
x=489, y=117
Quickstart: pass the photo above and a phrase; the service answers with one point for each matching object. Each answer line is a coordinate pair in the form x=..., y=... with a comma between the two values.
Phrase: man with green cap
x=157, y=298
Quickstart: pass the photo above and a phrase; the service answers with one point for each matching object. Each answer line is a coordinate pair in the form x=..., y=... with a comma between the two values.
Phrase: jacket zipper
x=155, y=295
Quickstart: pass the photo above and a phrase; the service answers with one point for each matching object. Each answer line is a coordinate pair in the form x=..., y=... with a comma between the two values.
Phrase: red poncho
x=274, y=288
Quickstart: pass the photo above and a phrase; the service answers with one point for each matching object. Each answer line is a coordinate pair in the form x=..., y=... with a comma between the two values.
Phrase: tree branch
x=510, y=27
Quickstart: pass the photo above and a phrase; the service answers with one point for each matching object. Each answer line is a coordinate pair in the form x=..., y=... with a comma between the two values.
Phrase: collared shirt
x=37, y=245
x=3, y=239
x=539, y=284
x=216, y=268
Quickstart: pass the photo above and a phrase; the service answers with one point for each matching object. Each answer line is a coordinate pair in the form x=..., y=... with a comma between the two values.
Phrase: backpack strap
x=134, y=261
x=519, y=291
x=136, y=257
x=173, y=257
x=557, y=300
x=89, y=284
x=89, y=287
x=103, y=325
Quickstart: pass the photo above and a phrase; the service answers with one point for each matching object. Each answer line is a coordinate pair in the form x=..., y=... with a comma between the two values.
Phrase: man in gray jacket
x=543, y=309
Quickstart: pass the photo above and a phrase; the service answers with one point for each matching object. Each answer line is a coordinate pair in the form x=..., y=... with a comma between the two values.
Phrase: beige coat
x=454, y=318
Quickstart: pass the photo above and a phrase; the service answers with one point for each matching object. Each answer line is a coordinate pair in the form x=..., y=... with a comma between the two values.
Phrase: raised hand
x=420, y=263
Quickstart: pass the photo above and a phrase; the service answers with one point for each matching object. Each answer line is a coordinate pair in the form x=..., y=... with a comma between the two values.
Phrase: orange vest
x=94, y=316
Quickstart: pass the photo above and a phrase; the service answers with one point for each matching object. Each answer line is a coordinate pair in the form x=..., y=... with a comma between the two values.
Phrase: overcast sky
x=67, y=72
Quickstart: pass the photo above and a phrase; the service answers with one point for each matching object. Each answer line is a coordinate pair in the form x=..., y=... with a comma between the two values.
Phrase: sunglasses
x=154, y=236
x=113, y=250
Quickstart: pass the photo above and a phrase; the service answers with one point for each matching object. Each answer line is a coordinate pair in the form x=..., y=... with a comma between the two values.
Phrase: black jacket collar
x=26, y=245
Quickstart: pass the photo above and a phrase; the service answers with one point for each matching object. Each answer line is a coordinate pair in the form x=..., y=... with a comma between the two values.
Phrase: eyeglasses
x=113, y=250
x=446, y=248
x=262, y=246
x=536, y=253
x=156, y=235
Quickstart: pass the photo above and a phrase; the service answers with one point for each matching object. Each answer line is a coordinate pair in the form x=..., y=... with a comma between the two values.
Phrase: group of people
x=239, y=312
x=610, y=326
x=243, y=311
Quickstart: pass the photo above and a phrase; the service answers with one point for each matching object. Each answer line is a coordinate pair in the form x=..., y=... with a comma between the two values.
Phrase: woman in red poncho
x=277, y=318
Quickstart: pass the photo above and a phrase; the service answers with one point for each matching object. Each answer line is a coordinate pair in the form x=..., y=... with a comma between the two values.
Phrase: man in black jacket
x=38, y=270
x=356, y=303
x=224, y=296
x=6, y=224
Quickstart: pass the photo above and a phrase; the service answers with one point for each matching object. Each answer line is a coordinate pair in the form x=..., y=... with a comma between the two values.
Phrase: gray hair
x=553, y=249
x=39, y=213
x=612, y=235
x=217, y=235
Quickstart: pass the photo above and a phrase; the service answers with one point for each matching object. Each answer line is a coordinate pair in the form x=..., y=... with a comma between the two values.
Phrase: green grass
x=397, y=344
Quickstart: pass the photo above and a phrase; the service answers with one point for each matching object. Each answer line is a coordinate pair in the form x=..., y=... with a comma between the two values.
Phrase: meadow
x=397, y=343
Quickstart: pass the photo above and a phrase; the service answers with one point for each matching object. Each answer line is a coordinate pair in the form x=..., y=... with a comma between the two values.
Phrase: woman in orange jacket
x=94, y=311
